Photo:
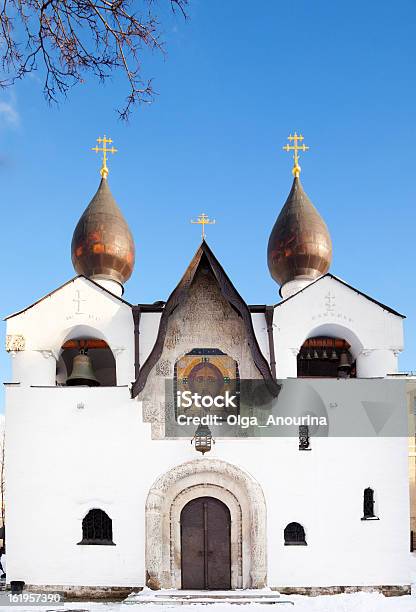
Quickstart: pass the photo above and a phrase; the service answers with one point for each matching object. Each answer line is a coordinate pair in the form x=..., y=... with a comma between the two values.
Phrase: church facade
x=100, y=494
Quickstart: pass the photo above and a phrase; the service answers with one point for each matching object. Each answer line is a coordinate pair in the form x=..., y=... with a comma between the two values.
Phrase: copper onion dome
x=102, y=244
x=299, y=245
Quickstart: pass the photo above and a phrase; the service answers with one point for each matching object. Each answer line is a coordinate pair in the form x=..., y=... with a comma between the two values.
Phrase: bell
x=315, y=354
x=344, y=361
x=334, y=355
x=308, y=355
x=82, y=372
x=324, y=354
x=344, y=366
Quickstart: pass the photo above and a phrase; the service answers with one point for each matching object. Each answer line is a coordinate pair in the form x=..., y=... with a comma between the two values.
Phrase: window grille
x=294, y=535
x=368, y=504
x=97, y=528
x=304, y=441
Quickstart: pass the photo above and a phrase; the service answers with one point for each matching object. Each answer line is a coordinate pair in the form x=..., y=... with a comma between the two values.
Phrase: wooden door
x=205, y=544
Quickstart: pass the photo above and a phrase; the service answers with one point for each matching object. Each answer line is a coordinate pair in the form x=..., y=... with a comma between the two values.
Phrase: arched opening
x=97, y=528
x=205, y=544
x=294, y=535
x=326, y=357
x=368, y=504
x=242, y=496
x=96, y=367
x=304, y=438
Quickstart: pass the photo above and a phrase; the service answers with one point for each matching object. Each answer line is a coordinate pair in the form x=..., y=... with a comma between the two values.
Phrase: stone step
x=174, y=597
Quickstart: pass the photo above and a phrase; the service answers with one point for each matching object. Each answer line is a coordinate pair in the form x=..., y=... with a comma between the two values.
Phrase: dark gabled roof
x=159, y=306
x=256, y=308
x=179, y=295
x=349, y=287
x=61, y=287
x=155, y=307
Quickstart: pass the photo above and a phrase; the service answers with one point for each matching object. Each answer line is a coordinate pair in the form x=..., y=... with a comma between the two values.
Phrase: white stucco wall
x=260, y=329
x=149, y=325
x=80, y=309
x=328, y=307
x=64, y=460
x=72, y=449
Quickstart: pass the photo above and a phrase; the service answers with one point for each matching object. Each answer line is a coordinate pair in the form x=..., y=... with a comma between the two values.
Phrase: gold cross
x=104, y=141
x=295, y=148
x=203, y=220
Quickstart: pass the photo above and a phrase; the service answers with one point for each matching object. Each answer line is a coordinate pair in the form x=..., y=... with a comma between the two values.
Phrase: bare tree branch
x=68, y=39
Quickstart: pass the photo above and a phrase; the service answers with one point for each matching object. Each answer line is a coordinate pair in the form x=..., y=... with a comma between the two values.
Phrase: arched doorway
x=204, y=477
x=206, y=544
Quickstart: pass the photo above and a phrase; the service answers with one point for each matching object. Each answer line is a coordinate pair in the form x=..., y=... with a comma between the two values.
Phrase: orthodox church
x=102, y=495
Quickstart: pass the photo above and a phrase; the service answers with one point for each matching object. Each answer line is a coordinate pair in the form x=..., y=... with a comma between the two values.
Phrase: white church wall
x=149, y=326
x=72, y=449
x=340, y=546
x=260, y=330
x=328, y=307
x=34, y=367
x=376, y=362
x=78, y=309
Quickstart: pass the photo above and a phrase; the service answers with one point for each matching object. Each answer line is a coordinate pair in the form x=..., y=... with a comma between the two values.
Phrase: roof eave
x=330, y=275
x=74, y=278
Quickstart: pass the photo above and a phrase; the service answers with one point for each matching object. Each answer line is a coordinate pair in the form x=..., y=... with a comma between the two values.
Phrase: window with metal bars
x=368, y=505
x=294, y=535
x=97, y=528
x=304, y=441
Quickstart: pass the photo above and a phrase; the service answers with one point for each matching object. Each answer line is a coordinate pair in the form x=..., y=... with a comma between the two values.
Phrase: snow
x=357, y=602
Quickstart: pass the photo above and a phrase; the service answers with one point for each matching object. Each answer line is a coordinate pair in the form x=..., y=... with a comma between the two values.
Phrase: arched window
x=294, y=535
x=97, y=528
x=326, y=357
x=304, y=441
x=368, y=504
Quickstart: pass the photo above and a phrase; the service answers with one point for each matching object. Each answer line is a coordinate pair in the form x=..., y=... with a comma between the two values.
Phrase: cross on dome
x=295, y=147
x=104, y=141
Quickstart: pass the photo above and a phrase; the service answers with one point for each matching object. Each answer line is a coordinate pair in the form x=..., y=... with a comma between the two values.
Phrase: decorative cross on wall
x=77, y=300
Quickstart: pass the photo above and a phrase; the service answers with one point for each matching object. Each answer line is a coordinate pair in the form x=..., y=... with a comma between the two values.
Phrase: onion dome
x=102, y=245
x=300, y=247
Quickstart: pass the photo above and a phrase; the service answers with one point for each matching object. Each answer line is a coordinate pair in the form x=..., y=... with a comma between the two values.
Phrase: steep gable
x=205, y=309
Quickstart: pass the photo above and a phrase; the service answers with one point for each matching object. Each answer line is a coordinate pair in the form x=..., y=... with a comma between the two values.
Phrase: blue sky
x=238, y=78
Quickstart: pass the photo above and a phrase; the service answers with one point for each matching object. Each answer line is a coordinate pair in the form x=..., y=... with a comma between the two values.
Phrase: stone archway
x=243, y=496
